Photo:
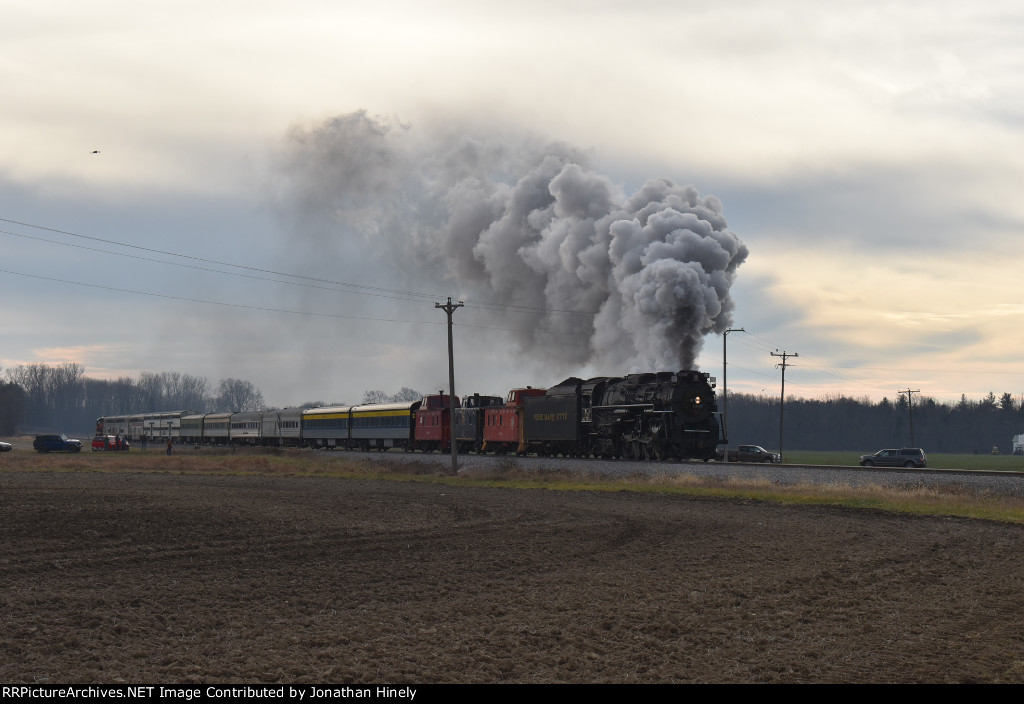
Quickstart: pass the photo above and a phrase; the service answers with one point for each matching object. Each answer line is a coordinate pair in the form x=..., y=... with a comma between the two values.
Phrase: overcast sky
x=868, y=155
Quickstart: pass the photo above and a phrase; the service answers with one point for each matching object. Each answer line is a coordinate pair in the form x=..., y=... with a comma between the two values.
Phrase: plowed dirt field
x=160, y=578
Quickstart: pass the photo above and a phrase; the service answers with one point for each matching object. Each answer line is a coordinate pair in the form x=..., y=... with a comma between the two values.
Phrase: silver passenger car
x=246, y=428
x=283, y=427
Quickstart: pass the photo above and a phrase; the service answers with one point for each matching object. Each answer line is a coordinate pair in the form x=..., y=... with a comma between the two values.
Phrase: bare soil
x=156, y=578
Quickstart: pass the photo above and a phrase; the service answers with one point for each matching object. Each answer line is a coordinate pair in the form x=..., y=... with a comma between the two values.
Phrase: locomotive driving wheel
x=629, y=450
x=657, y=448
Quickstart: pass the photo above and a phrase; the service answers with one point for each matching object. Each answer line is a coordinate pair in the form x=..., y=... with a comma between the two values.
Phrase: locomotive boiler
x=659, y=415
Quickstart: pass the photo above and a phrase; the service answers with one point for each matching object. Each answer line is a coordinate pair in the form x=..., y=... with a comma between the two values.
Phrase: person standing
x=168, y=446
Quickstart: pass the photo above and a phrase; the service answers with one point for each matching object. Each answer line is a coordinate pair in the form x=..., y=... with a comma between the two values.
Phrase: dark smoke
x=531, y=226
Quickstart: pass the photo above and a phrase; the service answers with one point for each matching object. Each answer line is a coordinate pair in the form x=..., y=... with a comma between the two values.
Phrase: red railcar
x=503, y=425
x=434, y=423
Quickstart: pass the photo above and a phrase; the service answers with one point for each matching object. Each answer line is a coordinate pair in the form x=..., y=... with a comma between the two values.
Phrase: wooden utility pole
x=725, y=387
x=910, y=408
x=449, y=308
x=782, y=397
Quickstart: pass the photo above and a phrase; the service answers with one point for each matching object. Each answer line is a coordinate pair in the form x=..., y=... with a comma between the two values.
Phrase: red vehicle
x=503, y=425
x=112, y=443
x=434, y=423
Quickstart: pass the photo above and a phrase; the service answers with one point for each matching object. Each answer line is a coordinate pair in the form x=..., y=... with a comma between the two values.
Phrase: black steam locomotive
x=660, y=415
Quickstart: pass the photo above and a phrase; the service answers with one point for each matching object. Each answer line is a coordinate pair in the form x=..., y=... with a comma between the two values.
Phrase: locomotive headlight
x=696, y=400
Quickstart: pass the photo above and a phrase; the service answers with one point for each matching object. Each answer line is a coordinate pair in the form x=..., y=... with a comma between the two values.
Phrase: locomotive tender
x=661, y=415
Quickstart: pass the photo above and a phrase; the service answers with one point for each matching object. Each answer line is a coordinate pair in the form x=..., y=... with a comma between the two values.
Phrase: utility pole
x=725, y=388
x=782, y=397
x=449, y=308
x=910, y=408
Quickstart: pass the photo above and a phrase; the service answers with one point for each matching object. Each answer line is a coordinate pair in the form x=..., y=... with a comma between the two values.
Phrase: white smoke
x=585, y=274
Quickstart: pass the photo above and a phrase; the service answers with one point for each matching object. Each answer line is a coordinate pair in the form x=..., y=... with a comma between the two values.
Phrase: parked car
x=110, y=442
x=749, y=453
x=905, y=457
x=5, y=446
x=56, y=443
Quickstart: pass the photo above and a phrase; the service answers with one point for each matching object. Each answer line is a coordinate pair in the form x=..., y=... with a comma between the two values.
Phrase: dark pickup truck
x=904, y=457
x=56, y=443
x=748, y=453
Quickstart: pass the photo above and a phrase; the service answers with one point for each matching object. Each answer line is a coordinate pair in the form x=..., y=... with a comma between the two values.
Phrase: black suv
x=905, y=457
x=56, y=443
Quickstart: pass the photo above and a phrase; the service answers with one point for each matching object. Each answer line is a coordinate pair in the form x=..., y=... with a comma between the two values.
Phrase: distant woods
x=61, y=397
x=860, y=425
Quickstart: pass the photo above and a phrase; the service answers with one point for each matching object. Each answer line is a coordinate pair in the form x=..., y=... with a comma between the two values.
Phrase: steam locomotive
x=661, y=415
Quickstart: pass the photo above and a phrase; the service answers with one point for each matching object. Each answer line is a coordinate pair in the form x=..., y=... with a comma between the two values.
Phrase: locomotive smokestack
x=634, y=281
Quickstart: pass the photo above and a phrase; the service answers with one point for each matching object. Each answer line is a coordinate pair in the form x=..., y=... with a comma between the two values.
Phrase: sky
x=165, y=165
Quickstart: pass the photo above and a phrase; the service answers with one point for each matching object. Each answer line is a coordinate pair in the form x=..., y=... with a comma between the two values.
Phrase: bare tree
x=238, y=395
x=54, y=395
x=185, y=392
x=375, y=396
x=12, y=404
x=403, y=395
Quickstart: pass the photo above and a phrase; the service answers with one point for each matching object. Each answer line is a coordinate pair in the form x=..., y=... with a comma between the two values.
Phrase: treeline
x=60, y=397
x=862, y=426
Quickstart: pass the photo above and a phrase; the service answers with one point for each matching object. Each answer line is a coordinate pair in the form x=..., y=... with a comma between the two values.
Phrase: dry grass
x=948, y=500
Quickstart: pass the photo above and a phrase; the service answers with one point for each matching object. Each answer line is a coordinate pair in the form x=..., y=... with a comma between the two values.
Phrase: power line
x=910, y=404
x=362, y=289
x=195, y=267
x=782, y=396
x=273, y=310
x=212, y=303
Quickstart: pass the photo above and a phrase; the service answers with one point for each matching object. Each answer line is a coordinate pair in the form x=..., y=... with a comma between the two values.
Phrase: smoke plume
x=582, y=272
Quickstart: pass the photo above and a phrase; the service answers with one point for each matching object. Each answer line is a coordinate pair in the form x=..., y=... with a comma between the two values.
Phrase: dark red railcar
x=434, y=423
x=503, y=425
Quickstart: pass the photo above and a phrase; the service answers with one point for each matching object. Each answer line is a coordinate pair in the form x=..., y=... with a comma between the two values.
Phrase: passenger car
x=905, y=457
x=56, y=443
x=5, y=447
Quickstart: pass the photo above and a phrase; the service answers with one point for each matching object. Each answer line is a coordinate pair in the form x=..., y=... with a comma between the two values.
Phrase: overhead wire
x=754, y=341
x=346, y=287
x=270, y=309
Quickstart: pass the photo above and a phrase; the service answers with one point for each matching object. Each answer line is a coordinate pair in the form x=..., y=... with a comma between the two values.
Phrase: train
x=656, y=415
